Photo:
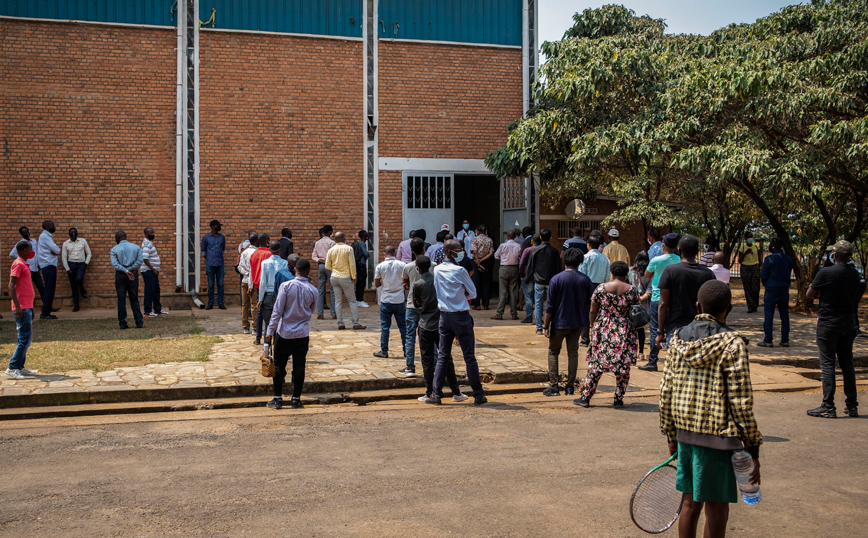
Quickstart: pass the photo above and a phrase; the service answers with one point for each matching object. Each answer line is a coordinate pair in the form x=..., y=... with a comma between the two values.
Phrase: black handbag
x=639, y=316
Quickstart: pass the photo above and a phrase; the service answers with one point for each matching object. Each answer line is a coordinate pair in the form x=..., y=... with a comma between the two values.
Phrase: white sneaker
x=459, y=397
x=163, y=313
x=422, y=398
x=363, y=304
x=15, y=374
x=25, y=371
x=246, y=331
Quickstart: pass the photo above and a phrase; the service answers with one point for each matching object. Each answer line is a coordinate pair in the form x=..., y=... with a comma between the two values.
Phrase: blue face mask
x=750, y=241
x=466, y=226
x=459, y=257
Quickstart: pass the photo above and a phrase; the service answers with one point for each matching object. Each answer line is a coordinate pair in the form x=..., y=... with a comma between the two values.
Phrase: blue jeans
x=655, y=351
x=399, y=310
x=215, y=272
x=539, y=295
x=528, y=299
x=780, y=298
x=412, y=321
x=24, y=325
x=152, y=292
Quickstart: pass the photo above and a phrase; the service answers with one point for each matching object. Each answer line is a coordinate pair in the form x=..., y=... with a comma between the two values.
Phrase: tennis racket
x=656, y=504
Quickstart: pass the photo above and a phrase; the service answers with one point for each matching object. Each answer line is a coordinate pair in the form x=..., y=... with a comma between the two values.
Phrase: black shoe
x=823, y=412
x=570, y=391
x=852, y=412
x=539, y=331
x=433, y=400
x=342, y=327
x=785, y=344
x=618, y=403
x=527, y=320
x=125, y=327
x=75, y=308
x=552, y=391
x=48, y=316
x=765, y=344
x=479, y=400
x=296, y=404
x=583, y=402
x=55, y=310
x=585, y=343
x=650, y=367
x=140, y=326
x=209, y=307
x=409, y=372
x=381, y=354
x=257, y=342
x=221, y=306
x=84, y=295
x=326, y=307
x=275, y=404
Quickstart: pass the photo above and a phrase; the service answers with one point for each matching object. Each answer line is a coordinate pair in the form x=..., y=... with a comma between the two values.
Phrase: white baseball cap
x=444, y=227
x=613, y=233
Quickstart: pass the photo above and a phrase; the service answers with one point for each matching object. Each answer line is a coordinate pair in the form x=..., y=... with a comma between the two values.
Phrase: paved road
x=523, y=466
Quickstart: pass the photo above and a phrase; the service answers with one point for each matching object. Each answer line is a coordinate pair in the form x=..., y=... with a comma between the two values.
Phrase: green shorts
x=706, y=473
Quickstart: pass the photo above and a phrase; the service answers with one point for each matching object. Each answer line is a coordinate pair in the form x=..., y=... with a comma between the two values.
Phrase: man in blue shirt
x=360, y=251
x=776, y=279
x=213, y=246
x=656, y=248
x=126, y=259
x=267, y=290
x=46, y=255
x=576, y=241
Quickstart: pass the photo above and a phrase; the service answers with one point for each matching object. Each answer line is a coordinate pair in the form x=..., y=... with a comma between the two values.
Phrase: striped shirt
x=149, y=252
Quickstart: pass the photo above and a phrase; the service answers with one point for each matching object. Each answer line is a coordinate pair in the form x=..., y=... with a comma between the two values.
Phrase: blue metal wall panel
x=317, y=17
x=496, y=22
x=149, y=12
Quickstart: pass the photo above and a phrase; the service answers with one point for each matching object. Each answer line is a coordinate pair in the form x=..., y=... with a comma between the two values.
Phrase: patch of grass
x=98, y=344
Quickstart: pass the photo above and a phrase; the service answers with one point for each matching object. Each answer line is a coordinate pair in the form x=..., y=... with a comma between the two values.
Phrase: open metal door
x=514, y=204
x=428, y=202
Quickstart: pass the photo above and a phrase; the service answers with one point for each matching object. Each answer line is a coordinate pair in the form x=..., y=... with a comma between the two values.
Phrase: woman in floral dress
x=614, y=344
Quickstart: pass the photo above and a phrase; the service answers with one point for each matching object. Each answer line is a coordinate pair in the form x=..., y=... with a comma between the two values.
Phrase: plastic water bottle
x=742, y=464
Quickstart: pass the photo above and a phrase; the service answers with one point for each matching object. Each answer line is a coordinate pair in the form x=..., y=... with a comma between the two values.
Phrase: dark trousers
x=654, y=329
x=780, y=298
x=76, y=280
x=836, y=341
x=482, y=280
x=215, y=274
x=49, y=275
x=428, y=351
x=283, y=348
x=38, y=285
x=263, y=315
x=556, y=342
x=457, y=325
x=361, y=281
x=126, y=287
x=750, y=280
x=152, y=292
x=641, y=334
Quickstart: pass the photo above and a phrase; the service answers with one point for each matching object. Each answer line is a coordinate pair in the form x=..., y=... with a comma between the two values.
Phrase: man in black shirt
x=543, y=264
x=527, y=233
x=839, y=289
x=679, y=289
x=285, y=243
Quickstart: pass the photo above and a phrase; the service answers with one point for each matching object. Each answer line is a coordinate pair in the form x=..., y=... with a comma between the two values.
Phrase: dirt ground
x=520, y=466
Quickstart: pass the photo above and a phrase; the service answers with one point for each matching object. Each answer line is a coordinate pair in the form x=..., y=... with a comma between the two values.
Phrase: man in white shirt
x=465, y=237
x=389, y=276
x=75, y=255
x=47, y=256
x=508, y=253
x=718, y=268
x=151, y=275
x=248, y=291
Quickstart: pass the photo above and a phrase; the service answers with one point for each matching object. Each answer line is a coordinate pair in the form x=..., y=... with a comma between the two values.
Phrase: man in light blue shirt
x=454, y=288
x=126, y=259
x=46, y=256
x=595, y=267
x=656, y=248
x=270, y=268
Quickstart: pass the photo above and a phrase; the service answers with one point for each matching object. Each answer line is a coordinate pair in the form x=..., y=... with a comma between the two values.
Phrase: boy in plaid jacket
x=706, y=411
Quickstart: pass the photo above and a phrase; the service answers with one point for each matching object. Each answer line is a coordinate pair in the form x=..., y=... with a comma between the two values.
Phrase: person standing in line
x=320, y=251
x=509, y=253
x=543, y=264
x=518, y=237
x=719, y=268
x=564, y=319
x=656, y=245
x=749, y=258
x=679, y=286
x=527, y=279
x=248, y=290
x=615, y=251
x=482, y=250
x=710, y=247
x=151, y=275
x=388, y=275
x=404, y=254
x=360, y=251
x=21, y=292
x=776, y=271
x=289, y=331
x=126, y=258
x=75, y=255
x=213, y=247
x=425, y=301
x=266, y=295
x=655, y=272
x=527, y=232
x=341, y=263
x=839, y=289
x=636, y=277
x=576, y=241
x=423, y=235
x=47, y=255
x=286, y=273
x=431, y=251
x=409, y=276
x=286, y=246
x=35, y=277
x=596, y=267
x=465, y=237
x=454, y=287
x=614, y=342
x=256, y=259
x=242, y=246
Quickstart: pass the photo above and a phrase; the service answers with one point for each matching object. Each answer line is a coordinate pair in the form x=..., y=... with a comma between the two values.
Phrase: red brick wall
x=89, y=115
x=281, y=135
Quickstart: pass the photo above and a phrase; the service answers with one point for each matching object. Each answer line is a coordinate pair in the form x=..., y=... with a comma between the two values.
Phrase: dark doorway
x=477, y=199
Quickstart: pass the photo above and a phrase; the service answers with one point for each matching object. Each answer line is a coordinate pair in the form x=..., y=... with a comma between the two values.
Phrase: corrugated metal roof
x=156, y=12
x=496, y=22
x=319, y=17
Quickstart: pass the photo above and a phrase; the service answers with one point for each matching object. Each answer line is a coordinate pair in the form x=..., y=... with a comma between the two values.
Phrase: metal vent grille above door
x=429, y=192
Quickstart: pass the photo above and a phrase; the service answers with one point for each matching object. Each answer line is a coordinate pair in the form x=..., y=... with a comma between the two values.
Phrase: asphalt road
x=522, y=466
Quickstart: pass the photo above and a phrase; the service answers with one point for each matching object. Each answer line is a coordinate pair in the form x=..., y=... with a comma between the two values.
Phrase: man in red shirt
x=21, y=291
x=256, y=259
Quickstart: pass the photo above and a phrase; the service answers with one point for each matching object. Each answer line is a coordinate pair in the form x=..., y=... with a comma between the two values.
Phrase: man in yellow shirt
x=615, y=251
x=749, y=258
x=341, y=261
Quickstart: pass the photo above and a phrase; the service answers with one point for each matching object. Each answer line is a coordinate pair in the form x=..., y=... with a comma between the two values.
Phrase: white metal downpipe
x=179, y=150
x=525, y=56
x=197, y=231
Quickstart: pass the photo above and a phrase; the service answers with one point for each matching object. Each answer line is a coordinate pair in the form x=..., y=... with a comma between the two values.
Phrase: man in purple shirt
x=565, y=316
x=405, y=253
x=290, y=320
